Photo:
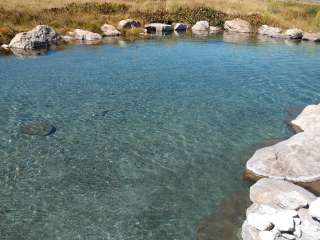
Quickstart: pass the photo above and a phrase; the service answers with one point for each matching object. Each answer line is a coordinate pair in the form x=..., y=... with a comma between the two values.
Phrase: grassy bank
x=64, y=15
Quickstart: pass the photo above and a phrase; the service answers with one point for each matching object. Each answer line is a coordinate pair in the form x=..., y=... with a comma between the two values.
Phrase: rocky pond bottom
x=150, y=138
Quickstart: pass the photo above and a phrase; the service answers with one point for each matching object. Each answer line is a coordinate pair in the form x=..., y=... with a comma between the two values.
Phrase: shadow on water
x=225, y=223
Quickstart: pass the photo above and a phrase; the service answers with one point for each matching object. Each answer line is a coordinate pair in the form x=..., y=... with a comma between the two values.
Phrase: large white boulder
x=85, y=35
x=296, y=159
x=308, y=120
x=280, y=194
x=41, y=36
x=109, y=30
x=313, y=37
x=238, y=25
x=128, y=24
x=201, y=26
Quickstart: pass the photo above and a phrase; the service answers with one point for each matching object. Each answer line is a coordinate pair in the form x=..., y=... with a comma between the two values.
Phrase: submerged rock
x=313, y=37
x=41, y=36
x=238, y=25
x=129, y=24
x=280, y=194
x=109, y=30
x=37, y=128
x=201, y=26
x=158, y=28
x=84, y=35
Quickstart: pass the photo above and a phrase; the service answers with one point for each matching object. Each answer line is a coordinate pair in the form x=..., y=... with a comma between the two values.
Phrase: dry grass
x=19, y=15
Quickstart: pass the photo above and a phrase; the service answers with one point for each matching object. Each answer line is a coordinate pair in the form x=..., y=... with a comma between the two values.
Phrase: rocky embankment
x=42, y=36
x=282, y=208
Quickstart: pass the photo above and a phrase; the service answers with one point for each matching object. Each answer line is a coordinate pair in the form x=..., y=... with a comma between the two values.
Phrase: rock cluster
x=296, y=159
x=274, y=32
x=203, y=28
x=158, y=28
x=281, y=210
x=41, y=36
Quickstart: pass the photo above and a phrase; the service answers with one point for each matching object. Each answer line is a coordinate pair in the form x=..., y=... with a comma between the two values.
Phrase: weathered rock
x=313, y=37
x=41, y=36
x=85, y=35
x=249, y=233
x=158, y=28
x=294, y=33
x=283, y=221
x=268, y=235
x=308, y=120
x=201, y=26
x=238, y=25
x=37, y=128
x=129, y=24
x=310, y=228
x=214, y=29
x=280, y=194
x=314, y=209
x=180, y=27
x=296, y=159
x=269, y=31
x=109, y=30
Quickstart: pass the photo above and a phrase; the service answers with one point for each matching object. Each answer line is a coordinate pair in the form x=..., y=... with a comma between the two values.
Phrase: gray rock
x=109, y=30
x=158, y=28
x=41, y=36
x=129, y=24
x=85, y=35
x=294, y=33
x=238, y=25
x=201, y=26
x=37, y=128
x=180, y=27
x=296, y=159
x=313, y=37
x=269, y=31
x=214, y=29
x=280, y=194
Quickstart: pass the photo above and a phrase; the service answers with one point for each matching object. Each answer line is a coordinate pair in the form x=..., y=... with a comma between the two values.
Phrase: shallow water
x=151, y=136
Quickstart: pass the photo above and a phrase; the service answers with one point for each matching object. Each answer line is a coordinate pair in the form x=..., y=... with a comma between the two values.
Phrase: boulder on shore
x=238, y=25
x=158, y=28
x=269, y=31
x=294, y=33
x=312, y=37
x=201, y=26
x=128, y=24
x=180, y=27
x=85, y=35
x=280, y=194
x=214, y=29
x=41, y=36
x=109, y=30
x=308, y=120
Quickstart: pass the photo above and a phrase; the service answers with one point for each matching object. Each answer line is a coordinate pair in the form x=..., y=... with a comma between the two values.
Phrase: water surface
x=151, y=135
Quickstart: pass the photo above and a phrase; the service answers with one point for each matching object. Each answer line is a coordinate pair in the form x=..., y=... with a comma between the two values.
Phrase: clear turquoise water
x=151, y=135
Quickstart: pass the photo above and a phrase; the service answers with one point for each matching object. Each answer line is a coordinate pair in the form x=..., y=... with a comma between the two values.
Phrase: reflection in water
x=231, y=37
x=28, y=53
x=225, y=223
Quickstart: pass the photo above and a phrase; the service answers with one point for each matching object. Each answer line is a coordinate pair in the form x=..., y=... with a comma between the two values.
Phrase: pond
x=151, y=136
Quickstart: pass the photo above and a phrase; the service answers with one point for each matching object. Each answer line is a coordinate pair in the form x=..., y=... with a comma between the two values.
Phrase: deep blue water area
x=151, y=136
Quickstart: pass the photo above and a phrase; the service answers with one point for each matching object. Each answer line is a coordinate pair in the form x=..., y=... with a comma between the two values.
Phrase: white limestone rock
x=201, y=26
x=269, y=235
x=294, y=33
x=314, y=209
x=109, y=30
x=248, y=232
x=238, y=25
x=41, y=36
x=312, y=37
x=308, y=120
x=280, y=194
x=310, y=228
x=214, y=29
x=269, y=31
x=296, y=159
x=85, y=35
